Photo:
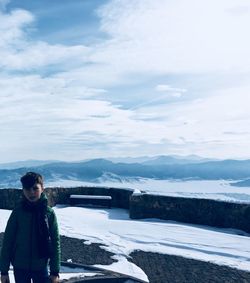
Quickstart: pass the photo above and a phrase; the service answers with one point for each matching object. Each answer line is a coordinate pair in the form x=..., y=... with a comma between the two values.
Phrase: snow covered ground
x=121, y=235
x=216, y=189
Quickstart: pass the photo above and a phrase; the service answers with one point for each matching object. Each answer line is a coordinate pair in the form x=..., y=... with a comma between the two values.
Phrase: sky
x=84, y=79
x=117, y=233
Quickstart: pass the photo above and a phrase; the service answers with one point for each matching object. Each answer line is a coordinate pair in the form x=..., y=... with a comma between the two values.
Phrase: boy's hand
x=5, y=279
x=53, y=279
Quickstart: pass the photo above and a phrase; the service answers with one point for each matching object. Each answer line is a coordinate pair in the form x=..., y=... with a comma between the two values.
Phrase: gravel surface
x=78, y=252
x=160, y=268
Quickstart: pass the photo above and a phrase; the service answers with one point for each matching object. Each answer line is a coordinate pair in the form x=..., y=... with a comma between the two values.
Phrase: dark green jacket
x=20, y=244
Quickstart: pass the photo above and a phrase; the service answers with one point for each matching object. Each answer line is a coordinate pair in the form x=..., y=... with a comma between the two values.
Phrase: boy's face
x=33, y=194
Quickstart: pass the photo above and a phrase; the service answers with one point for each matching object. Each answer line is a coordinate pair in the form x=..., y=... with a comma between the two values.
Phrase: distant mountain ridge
x=168, y=160
x=159, y=159
x=25, y=163
x=161, y=167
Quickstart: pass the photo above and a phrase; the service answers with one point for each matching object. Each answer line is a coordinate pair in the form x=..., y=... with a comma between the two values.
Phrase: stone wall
x=191, y=210
x=120, y=197
x=9, y=198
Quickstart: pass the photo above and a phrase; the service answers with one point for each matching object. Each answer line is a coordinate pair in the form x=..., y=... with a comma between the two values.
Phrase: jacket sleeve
x=55, y=256
x=8, y=243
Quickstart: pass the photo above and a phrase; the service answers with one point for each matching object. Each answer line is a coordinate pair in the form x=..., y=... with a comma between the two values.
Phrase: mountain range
x=158, y=167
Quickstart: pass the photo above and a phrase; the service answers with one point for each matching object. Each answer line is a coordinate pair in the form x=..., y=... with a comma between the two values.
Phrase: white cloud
x=11, y=28
x=173, y=91
x=175, y=36
x=211, y=126
x=156, y=37
x=169, y=88
x=66, y=114
x=42, y=54
x=19, y=52
x=64, y=118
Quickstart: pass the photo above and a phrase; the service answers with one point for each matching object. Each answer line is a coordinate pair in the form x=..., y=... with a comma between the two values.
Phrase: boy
x=31, y=238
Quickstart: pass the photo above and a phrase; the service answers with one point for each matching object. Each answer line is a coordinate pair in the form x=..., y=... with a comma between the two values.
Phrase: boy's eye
x=35, y=188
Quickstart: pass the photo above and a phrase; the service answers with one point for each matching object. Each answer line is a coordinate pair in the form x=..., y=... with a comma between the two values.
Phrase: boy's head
x=32, y=186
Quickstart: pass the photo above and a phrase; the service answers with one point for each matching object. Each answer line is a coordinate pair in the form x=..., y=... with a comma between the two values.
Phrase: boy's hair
x=30, y=179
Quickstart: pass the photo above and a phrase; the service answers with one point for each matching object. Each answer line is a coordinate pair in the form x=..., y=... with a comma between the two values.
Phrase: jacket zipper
x=31, y=239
